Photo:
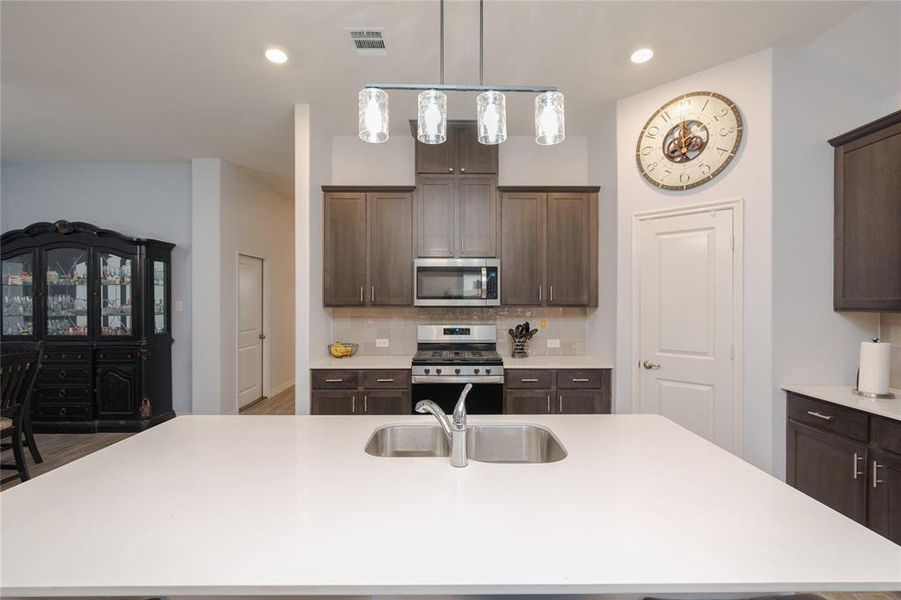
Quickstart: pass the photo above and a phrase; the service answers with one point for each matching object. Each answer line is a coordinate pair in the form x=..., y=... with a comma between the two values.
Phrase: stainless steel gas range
x=450, y=356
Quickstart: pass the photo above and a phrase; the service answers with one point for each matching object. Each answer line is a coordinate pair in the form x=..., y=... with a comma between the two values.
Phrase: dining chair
x=18, y=372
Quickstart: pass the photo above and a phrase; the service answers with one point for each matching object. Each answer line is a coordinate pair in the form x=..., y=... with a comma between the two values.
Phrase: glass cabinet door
x=18, y=295
x=160, y=297
x=67, y=291
x=115, y=295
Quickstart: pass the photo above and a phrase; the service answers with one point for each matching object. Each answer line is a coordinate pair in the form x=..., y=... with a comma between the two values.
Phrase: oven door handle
x=458, y=379
x=484, y=283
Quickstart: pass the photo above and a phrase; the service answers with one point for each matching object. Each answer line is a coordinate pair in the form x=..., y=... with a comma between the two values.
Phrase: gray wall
x=143, y=200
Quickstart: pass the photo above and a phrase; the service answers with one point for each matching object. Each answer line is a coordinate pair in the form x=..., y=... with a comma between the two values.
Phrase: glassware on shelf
x=115, y=295
x=160, y=297
x=67, y=292
x=18, y=295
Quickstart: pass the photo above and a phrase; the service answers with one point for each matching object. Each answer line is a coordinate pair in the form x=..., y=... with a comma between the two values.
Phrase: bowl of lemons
x=343, y=349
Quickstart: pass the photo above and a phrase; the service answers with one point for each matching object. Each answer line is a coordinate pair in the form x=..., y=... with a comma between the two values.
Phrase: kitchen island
x=278, y=505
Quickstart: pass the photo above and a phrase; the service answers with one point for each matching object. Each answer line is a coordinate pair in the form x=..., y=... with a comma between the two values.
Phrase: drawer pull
x=876, y=480
x=819, y=415
x=62, y=393
x=581, y=380
x=353, y=404
x=385, y=380
x=365, y=403
x=856, y=460
x=560, y=404
x=529, y=380
x=62, y=374
x=339, y=380
x=63, y=411
x=548, y=404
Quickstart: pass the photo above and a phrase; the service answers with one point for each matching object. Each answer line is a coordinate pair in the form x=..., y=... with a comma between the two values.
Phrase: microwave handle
x=484, y=282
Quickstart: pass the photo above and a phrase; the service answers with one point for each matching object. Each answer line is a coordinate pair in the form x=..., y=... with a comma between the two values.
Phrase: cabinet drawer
x=886, y=434
x=828, y=417
x=63, y=412
x=335, y=379
x=529, y=379
x=117, y=355
x=63, y=394
x=68, y=355
x=393, y=379
x=578, y=378
x=63, y=374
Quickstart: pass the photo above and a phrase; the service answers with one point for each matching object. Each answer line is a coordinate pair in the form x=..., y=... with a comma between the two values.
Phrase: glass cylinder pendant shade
x=549, y=124
x=492, y=117
x=373, y=115
x=432, y=128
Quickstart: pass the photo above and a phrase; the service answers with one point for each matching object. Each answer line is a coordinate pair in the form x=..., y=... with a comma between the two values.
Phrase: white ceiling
x=168, y=81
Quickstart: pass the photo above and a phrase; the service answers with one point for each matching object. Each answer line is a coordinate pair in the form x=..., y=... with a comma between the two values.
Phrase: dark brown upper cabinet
x=549, y=241
x=368, y=246
x=461, y=154
x=456, y=216
x=867, y=258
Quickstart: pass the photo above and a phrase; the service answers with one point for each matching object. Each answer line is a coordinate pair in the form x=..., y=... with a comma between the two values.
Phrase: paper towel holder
x=872, y=395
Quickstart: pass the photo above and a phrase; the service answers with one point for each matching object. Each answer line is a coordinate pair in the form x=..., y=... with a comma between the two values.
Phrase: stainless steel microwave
x=456, y=282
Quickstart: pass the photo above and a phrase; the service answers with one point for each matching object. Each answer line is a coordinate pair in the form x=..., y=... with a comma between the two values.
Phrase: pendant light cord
x=442, y=42
x=481, y=41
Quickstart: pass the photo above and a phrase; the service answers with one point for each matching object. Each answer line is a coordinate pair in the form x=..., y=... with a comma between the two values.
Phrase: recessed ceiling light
x=642, y=55
x=276, y=55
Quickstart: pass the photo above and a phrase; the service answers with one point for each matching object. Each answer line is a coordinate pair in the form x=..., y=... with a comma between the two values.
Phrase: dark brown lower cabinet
x=563, y=391
x=117, y=394
x=830, y=468
x=858, y=476
x=885, y=495
x=366, y=392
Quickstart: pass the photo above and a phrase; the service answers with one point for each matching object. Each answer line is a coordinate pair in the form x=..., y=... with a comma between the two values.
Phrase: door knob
x=649, y=365
x=262, y=336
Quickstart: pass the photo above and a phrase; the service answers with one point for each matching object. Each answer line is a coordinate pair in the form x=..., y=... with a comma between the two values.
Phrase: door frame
x=264, y=350
x=736, y=206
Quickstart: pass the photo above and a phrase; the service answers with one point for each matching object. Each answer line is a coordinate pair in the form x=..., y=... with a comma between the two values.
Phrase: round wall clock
x=689, y=141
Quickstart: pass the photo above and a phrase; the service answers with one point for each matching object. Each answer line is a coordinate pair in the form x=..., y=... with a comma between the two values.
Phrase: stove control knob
x=477, y=371
x=427, y=371
x=487, y=371
x=457, y=371
x=438, y=371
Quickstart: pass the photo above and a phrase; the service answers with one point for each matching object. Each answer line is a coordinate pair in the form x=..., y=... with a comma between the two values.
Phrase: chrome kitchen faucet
x=456, y=430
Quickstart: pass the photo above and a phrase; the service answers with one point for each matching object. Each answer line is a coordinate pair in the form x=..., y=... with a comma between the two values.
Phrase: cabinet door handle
x=560, y=404
x=365, y=403
x=450, y=169
x=819, y=415
x=548, y=404
x=462, y=169
x=876, y=480
x=539, y=294
x=856, y=459
x=372, y=293
x=339, y=380
x=529, y=380
x=551, y=297
x=388, y=380
x=581, y=379
x=353, y=404
x=362, y=300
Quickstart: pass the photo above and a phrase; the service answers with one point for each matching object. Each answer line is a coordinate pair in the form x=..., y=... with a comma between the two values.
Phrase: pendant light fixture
x=491, y=109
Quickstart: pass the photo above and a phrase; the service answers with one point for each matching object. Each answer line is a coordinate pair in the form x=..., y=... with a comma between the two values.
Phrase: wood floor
x=58, y=449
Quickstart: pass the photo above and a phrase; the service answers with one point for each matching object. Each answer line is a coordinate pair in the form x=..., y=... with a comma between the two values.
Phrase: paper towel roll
x=874, y=367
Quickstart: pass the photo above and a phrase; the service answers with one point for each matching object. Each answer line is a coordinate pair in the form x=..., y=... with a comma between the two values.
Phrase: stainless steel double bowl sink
x=490, y=443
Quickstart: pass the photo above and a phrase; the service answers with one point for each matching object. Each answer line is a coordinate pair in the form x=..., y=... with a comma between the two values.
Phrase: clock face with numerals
x=689, y=141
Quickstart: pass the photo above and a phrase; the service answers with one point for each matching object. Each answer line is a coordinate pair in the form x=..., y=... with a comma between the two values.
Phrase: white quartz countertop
x=266, y=505
x=841, y=394
x=556, y=362
x=365, y=362
x=404, y=362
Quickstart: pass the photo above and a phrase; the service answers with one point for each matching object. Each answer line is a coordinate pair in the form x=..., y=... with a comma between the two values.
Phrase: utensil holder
x=519, y=349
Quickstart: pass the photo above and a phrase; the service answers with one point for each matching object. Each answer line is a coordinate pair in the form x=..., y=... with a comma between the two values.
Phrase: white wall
x=236, y=212
x=847, y=77
x=748, y=82
x=520, y=162
x=601, y=167
x=142, y=200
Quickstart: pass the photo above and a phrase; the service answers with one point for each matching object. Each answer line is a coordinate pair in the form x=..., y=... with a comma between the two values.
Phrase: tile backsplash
x=891, y=332
x=365, y=325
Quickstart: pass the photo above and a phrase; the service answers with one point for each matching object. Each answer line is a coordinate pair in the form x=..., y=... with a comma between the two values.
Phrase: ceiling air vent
x=368, y=41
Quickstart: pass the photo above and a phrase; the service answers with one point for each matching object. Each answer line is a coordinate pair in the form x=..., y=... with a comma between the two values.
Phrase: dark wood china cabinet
x=100, y=304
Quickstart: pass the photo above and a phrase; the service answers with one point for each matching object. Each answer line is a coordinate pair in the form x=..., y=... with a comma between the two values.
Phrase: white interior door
x=686, y=329
x=250, y=329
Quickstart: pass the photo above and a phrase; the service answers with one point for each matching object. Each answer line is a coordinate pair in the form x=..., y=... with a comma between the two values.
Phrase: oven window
x=436, y=283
